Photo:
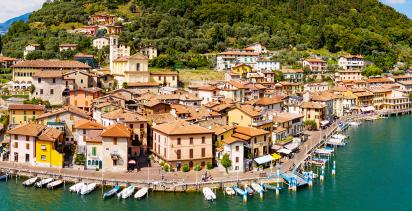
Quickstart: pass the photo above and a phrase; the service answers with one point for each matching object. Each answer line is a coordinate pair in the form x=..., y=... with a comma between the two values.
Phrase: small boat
x=127, y=192
x=229, y=191
x=3, y=177
x=355, y=124
x=88, y=188
x=140, y=193
x=76, y=188
x=270, y=187
x=336, y=142
x=249, y=190
x=239, y=191
x=54, y=184
x=208, y=193
x=111, y=192
x=30, y=181
x=257, y=187
x=339, y=136
x=43, y=182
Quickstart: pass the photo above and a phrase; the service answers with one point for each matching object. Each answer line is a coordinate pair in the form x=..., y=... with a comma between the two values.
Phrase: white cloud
x=13, y=8
x=395, y=1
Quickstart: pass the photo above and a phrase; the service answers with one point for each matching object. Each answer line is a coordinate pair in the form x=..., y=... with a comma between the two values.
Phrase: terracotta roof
x=87, y=124
x=181, y=127
x=315, y=60
x=237, y=53
x=180, y=109
x=94, y=136
x=161, y=118
x=377, y=89
x=71, y=109
x=152, y=103
x=250, y=131
x=143, y=84
x=60, y=64
x=379, y=80
x=241, y=136
x=352, y=56
x=267, y=101
x=48, y=74
x=67, y=45
x=29, y=129
x=249, y=110
x=231, y=140
x=165, y=73
x=405, y=82
x=27, y=107
x=137, y=56
x=117, y=130
x=312, y=105
x=207, y=88
x=286, y=117
x=4, y=59
x=221, y=107
x=363, y=94
x=219, y=129
x=101, y=105
x=236, y=84
x=50, y=134
x=189, y=97
x=395, y=77
x=81, y=55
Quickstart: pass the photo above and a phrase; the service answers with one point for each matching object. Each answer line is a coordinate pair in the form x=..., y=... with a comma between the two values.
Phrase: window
x=173, y=78
x=94, y=151
x=191, y=153
x=34, y=113
x=41, y=91
x=222, y=137
x=27, y=146
x=114, y=141
x=203, y=152
x=255, y=140
x=39, y=80
x=241, y=117
x=159, y=78
x=164, y=152
x=84, y=132
x=138, y=67
x=191, y=140
x=203, y=140
x=237, y=159
x=27, y=138
x=16, y=137
x=43, y=157
x=43, y=147
x=27, y=158
x=81, y=81
x=178, y=154
x=237, y=148
x=51, y=91
x=54, y=80
x=71, y=117
x=131, y=126
x=178, y=141
x=141, y=126
x=84, y=137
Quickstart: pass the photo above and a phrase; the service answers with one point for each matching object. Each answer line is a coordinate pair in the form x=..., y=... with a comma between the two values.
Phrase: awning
x=284, y=151
x=291, y=146
x=276, y=156
x=367, y=109
x=264, y=159
x=276, y=147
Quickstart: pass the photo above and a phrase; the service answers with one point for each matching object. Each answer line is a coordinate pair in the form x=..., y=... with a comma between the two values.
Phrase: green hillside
x=199, y=26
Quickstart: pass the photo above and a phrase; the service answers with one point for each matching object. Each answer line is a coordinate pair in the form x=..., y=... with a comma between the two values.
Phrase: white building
x=116, y=50
x=234, y=147
x=30, y=48
x=227, y=60
x=100, y=43
x=348, y=75
x=266, y=64
x=149, y=51
x=256, y=47
x=351, y=62
x=316, y=87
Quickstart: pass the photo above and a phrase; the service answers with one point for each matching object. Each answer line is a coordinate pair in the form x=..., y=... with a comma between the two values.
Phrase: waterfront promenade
x=155, y=175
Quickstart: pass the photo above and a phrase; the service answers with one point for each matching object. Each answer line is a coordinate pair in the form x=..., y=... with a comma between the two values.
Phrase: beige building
x=180, y=143
x=149, y=51
x=49, y=86
x=313, y=111
x=115, y=140
x=131, y=69
x=165, y=78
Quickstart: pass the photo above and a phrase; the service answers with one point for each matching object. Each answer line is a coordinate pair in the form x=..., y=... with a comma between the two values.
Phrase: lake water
x=374, y=172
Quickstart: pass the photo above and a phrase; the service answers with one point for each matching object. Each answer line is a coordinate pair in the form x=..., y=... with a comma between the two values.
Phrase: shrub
x=209, y=166
x=162, y=163
x=185, y=168
x=166, y=167
x=197, y=167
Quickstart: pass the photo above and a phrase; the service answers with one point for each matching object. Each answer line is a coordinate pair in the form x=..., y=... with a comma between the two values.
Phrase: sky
x=13, y=8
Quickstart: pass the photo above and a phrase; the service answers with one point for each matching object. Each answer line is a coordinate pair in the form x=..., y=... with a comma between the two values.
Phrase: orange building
x=83, y=97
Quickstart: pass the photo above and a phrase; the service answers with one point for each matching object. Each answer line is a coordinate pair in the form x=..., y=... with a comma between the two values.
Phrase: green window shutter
x=94, y=151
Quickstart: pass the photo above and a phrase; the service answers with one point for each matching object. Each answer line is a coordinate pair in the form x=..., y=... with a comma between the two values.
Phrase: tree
x=372, y=70
x=310, y=124
x=124, y=85
x=226, y=162
x=278, y=75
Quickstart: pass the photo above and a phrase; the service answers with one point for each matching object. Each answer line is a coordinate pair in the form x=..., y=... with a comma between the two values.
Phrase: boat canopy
x=284, y=151
x=264, y=159
x=276, y=156
x=324, y=123
x=367, y=109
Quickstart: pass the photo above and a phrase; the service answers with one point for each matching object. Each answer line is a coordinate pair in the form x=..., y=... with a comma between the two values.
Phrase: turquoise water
x=373, y=173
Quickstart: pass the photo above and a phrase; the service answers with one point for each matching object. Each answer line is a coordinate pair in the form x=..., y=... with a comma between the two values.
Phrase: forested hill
x=200, y=26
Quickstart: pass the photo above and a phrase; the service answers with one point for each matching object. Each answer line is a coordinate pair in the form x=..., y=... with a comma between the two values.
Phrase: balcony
x=259, y=122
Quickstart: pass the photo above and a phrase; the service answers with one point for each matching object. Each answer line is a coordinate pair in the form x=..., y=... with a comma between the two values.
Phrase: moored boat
x=270, y=187
x=257, y=187
x=239, y=191
x=3, y=177
x=43, y=182
x=54, y=184
x=127, y=192
x=88, y=188
x=249, y=190
x=112, y=192
x=229, y=191
x=30, y=181
x=140, y=193
x=208, y=193
x=76, y=188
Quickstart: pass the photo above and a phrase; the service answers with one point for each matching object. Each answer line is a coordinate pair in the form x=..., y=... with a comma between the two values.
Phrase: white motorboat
x=208, y=193
x=30, y=181
x=140, y=193
x=54, y=184
x=355, y=124
x=43, y=182
x=127, y=192
x=257, y=187
x=339, y=136
x=336, y=142
x=229, y=191
x=88, y=188
x=76, y=188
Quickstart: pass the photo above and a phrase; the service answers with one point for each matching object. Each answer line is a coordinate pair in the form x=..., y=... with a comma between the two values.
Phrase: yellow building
x=221, y=132
x=165, y=78
x=49, y=147
x=242, y=69
x=248, y=116
x=24, y=113
x=131, y=69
